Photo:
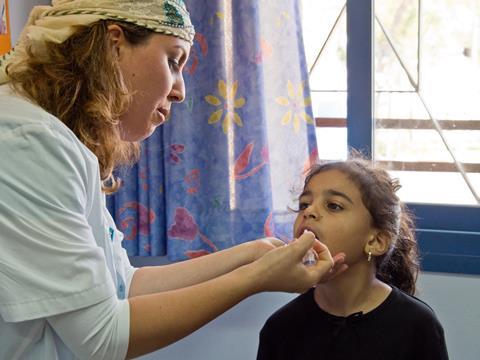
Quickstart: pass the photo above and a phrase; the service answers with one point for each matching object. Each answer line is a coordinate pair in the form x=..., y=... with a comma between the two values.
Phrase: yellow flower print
x=296, y=104
x=227, y=105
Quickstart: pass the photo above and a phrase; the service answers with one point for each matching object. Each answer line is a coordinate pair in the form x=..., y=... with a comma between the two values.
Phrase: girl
x=88, y=80
x=369, y=311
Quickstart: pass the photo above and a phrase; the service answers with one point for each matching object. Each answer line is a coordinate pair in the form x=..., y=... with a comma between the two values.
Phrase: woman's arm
x=153, y=279
x=157, y=320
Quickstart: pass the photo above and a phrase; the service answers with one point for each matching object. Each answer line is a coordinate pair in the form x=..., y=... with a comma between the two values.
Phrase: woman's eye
x=174, y=64
x=334, y=207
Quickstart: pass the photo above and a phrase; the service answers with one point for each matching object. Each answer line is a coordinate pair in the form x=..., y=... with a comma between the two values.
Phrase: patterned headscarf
x=57, y=23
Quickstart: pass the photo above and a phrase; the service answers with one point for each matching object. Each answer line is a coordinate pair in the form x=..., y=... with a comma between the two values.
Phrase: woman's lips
x=163, y=115
x=164, y=111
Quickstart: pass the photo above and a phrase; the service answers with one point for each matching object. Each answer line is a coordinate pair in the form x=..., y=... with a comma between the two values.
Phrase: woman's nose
x=177, y=94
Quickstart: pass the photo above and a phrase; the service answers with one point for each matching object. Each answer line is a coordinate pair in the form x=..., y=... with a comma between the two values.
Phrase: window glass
x=324, y=35
x=427, y=82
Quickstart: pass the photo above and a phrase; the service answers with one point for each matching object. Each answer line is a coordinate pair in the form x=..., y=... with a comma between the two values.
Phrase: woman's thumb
x=304, y=242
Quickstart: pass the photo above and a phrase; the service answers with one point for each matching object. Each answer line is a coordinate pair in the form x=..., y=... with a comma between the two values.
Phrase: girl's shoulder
x=412, y=301
x=406, y=305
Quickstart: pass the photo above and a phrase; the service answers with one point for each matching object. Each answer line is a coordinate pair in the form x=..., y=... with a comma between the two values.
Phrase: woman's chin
x=138, y=136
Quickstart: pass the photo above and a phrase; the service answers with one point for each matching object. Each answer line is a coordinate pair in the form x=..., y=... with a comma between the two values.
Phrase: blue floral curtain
x=226, y=166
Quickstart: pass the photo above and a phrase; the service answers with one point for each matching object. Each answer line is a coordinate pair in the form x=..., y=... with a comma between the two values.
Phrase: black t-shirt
x=401, y=328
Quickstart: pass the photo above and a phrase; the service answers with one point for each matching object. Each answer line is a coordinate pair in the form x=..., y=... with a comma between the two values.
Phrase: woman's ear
x=378, y=244
x=117, y=37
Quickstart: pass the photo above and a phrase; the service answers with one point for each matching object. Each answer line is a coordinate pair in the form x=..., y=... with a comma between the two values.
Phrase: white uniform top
x=63, y=272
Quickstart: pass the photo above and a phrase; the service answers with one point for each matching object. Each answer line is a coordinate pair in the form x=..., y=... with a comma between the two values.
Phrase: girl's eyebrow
x=305, y=193
x=333, y=192
x=329, y=192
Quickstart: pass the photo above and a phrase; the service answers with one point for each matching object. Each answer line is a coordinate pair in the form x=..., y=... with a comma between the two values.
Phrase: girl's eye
x=302, y=206
x=334, y=207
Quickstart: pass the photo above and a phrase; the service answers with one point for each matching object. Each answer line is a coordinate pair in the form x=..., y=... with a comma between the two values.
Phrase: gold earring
x=369, y=258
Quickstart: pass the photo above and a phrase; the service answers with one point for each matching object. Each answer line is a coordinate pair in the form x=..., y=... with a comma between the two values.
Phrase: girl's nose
x=311, y=213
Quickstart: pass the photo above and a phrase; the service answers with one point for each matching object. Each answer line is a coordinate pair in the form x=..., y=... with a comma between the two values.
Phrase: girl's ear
x=378, y=244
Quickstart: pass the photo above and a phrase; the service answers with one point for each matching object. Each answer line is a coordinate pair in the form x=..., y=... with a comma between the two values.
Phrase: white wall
x=19, y=10
x=456, y=300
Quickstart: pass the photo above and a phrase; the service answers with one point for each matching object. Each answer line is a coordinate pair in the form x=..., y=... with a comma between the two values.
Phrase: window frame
x=448, y=235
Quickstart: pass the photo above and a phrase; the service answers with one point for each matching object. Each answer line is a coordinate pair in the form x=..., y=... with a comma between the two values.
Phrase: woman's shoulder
x=16, y=107
x=18, y=111
x=21, y=118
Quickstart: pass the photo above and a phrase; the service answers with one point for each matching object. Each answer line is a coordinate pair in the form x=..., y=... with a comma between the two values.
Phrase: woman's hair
x=81, y=84
x=399, y=266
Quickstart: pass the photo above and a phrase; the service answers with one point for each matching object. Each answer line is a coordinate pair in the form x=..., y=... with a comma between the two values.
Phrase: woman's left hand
x=260, y=247
x=338, y=267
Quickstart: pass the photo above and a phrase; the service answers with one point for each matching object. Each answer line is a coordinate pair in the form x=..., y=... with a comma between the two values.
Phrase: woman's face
x=331, y=207
x=153, y=72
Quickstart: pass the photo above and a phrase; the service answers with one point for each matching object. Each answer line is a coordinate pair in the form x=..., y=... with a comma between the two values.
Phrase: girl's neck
x=357, y=290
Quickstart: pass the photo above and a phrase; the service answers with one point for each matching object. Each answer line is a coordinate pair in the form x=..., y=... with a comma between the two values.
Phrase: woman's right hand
x=282, y=269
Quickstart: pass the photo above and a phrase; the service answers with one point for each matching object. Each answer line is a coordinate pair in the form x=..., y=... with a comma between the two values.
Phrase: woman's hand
x=260, y=247
x=338, y=267
x=282, y=268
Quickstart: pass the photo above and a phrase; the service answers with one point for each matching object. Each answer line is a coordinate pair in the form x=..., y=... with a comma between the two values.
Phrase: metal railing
x=414, y=124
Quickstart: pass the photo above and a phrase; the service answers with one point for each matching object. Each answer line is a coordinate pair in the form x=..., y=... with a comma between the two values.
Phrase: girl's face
x=153, y=72
x=331, y=207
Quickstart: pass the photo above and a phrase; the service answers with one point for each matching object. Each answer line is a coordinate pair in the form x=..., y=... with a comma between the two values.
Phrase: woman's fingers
x=338, y=267
x=303, y=244
x=324, y=261
x=328, y=267
x=338, y=260
x=282, y=268
x=264, y=245
x=275, y=242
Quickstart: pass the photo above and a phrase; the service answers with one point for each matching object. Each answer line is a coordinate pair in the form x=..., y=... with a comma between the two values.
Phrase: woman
x=87, y=81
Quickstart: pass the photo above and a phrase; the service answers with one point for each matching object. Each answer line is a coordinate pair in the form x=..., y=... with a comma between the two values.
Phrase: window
x=411, y=99
x=325, y=39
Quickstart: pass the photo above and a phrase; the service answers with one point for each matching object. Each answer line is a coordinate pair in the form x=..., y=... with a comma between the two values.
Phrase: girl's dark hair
x=400, y=265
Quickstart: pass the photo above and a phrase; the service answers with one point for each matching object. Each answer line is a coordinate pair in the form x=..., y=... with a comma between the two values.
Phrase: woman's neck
x=356, y=290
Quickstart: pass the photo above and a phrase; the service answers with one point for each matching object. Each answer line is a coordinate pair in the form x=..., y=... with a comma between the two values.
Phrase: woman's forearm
x=157, y=320
x=152, y=279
